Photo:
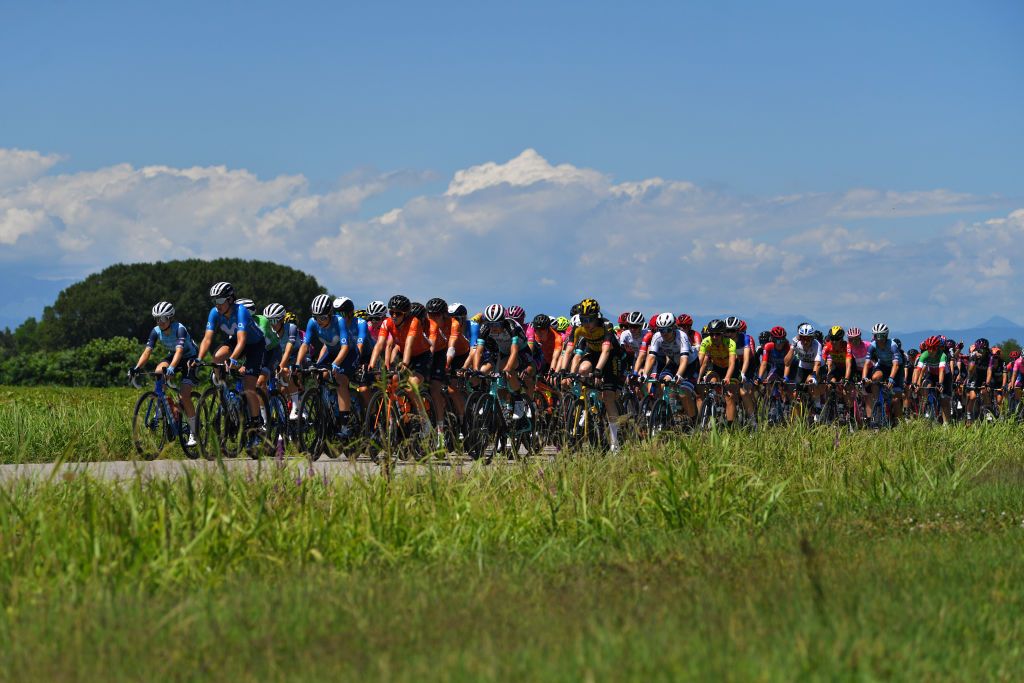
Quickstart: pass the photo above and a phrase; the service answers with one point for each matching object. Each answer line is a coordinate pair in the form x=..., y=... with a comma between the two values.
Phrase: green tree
x=1009, y=346
x=116, y=302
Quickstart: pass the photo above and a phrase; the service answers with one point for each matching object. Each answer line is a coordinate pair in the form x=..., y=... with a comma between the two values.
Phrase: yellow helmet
x=590, y=308
x=836, y=333
x=289, y=318
x=561, y=324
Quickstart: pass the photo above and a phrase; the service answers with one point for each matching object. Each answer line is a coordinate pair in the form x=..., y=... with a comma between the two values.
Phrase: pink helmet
x=517, y=313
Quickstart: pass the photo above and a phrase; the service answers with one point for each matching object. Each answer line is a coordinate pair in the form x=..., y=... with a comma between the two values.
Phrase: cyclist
x=545, y=343
x=404, y=335
x=182, y=353
x=883, y=363
x=597, y=352
x=979, y=374
x=717, y=356
x=804, y=361
x=835, y=355
x=631, y=336
x=281, y=338
x=290, y=339
x=502, y=344
x=450, y=349
x=736, y=329
x=235, y=320
x=328, y=328
x=934, y=363
x=669, y=356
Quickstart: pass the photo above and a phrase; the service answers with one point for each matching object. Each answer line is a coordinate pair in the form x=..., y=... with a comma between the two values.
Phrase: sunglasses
x=716, y=334
x=220, y=300
x=164, y=319
x=321, y=318
x=584, y=320
x=395, y=314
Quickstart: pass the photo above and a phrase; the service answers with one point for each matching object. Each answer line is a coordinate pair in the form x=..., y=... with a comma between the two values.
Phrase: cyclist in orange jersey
x=450, y=349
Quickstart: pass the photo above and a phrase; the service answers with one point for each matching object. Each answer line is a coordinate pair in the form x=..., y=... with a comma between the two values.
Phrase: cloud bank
x=532, y=232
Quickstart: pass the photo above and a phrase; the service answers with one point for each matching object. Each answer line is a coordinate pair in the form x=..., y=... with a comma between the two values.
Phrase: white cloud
x=515, y=230
x=18, y=166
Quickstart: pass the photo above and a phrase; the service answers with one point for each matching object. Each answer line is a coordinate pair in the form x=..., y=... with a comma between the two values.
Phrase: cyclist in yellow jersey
x=717, y=358
x=597, y=352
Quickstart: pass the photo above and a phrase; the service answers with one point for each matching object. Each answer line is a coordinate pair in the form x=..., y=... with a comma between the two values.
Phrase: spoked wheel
x=208, y=412
x=525, y=434
x=184, y=432
x=380, y=428
x=310, y=429
x=660, y=420
x=255, y=432
x=484, y=436
x=588, y=424
x=149, y=429
x=632, y=425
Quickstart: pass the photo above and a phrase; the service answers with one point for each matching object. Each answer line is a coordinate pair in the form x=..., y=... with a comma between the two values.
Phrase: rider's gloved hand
x=892, y=381
x=787, y=380
x=336, y=368
x=134, y=371
x=169, y=371
x=234, y=362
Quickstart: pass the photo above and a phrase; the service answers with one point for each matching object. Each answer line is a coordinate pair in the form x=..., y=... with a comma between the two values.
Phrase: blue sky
x=921, y=103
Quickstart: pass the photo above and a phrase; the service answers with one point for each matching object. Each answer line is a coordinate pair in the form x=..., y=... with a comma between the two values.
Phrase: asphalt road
x=127, y=469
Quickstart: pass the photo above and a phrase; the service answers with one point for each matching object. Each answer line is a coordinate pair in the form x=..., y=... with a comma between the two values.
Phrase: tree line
x=95, y=327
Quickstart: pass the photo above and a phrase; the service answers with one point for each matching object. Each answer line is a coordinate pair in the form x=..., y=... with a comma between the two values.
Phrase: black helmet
x=437, y=305
x=574, y=310
x=417, y=310
x=541, y=322
x=400, y=303
x=732, y=323
x=764, y=337
x=716, y=326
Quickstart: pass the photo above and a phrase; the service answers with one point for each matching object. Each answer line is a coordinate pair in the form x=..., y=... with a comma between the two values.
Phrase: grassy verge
x=780, y=556
x=43, y=424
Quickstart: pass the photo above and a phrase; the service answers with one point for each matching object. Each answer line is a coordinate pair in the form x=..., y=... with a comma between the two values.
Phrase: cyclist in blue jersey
x=883, y=363
x=182, y=353
x=235, y=321
x=326, y=327
x=355, y=339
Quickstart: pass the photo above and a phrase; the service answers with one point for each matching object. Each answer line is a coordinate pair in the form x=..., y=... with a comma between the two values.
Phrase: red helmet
x=853, y=332
x=652, y=323
x=743, y=327
x=1014, y=355
x=779, y=332
x=623, y=317
x=931, y=343
x=683, y=320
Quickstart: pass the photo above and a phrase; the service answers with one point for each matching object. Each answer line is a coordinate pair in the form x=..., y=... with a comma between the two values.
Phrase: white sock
x=613, y=431
x=193, y=424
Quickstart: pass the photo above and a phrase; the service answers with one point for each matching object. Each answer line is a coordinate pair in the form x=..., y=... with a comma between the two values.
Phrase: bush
x=100, y=363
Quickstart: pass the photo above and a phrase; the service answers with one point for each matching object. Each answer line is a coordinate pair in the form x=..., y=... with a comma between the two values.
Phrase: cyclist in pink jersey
x=856, y=351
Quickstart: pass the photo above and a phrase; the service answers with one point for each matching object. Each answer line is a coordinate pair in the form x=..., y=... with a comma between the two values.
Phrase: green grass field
x=780, y=556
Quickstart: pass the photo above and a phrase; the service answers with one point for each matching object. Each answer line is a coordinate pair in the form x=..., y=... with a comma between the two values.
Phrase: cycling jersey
x=499, y=337
x=176, y=337
x=806, y=356
x=857, y=352
x=719, y=352
x=593, y=341
x=273, y=339
x=441, y=333
x=836, y=351
x=548, y=344
x=886, y=354
x=931, y=361
x=774, y=353
x=239, y=319
x=329, y=336
x=671, y=349
x=630, y=341
x=408, y=332
x=355, y=332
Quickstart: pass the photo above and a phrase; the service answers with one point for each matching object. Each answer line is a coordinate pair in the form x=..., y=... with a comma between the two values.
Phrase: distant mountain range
x=995, y=329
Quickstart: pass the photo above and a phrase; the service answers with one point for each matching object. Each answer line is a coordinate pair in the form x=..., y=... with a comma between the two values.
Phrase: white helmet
x=321, y=304
x=274, y=312
x=805, y=330
x=494, y=313
x=665, y=321
x=575, y=320
x=248, y=303
x=880, y=329
x=222, y=289
x=376, y=309
x=458, y=310
x=162, y=309
x=635, y=318
x=344, y=304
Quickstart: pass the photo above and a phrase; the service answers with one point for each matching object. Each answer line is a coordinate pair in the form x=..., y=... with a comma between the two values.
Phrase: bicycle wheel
x=526, y=439
x=484, y=436
x=149, y=431
x=632, y=425
x=309, y=431
x=207, y=414
x=660, y=420
x=277, y=424
x=380, y=427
